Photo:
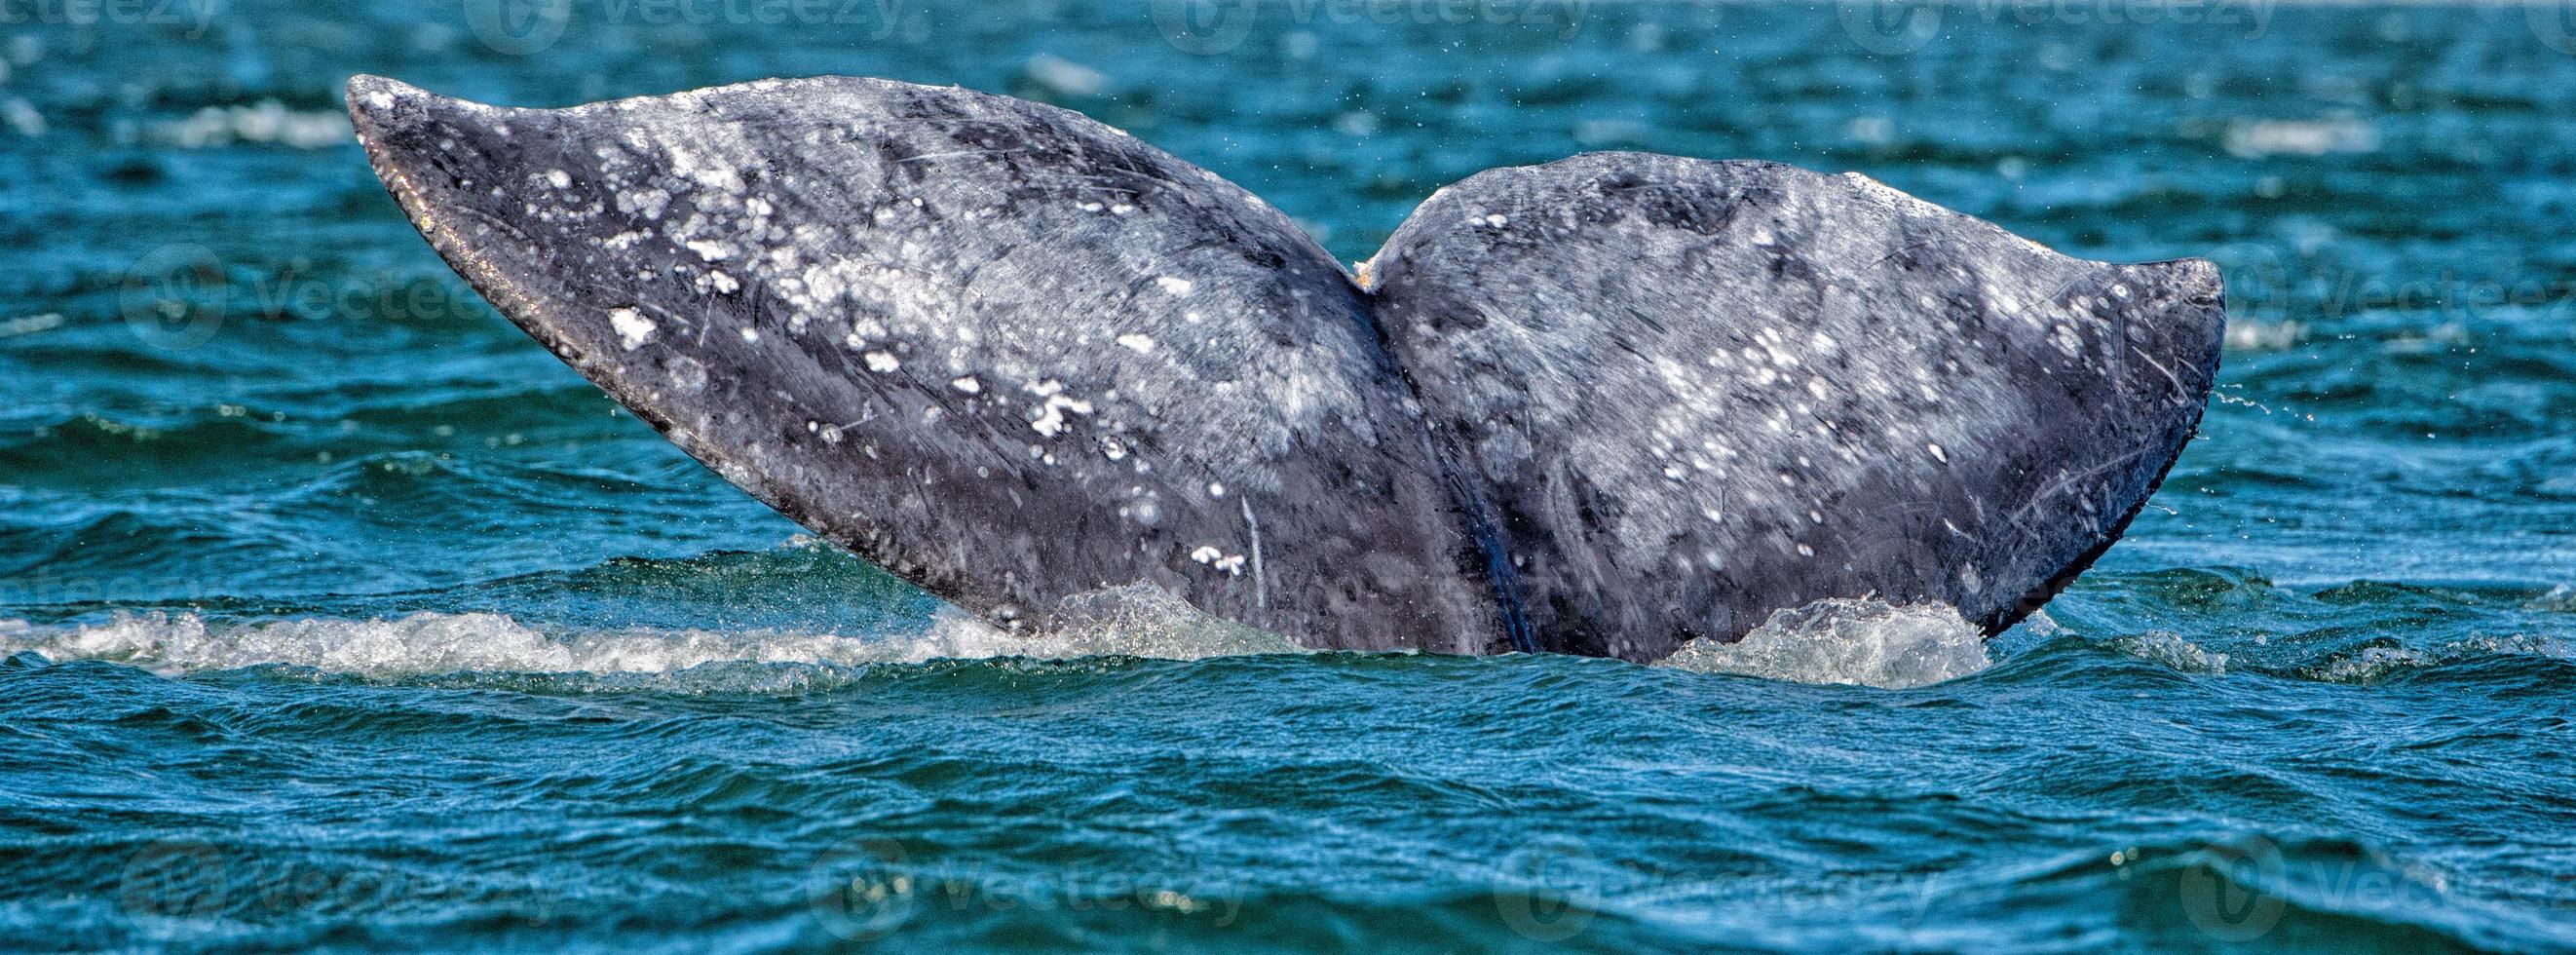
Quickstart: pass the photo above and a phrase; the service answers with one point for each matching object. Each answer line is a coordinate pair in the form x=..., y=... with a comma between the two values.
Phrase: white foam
x=1136, y=620
x=2371, y=664
x=2169, y=648
x=1866, y=642
x=268, y=122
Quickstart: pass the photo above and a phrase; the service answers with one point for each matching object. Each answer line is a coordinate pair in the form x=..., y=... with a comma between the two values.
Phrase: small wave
x=1867, y=642
x=2372, y=664
x=1133, y=621
x=2560, y=598
x=2361, y=665
x=2169, y=648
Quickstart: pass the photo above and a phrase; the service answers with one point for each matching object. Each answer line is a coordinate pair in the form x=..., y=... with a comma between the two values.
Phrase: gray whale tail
x=1604, y=405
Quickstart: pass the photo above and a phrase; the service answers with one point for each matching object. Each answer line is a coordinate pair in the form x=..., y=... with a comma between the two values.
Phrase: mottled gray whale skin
x=1604, y=405
x=1698, y=392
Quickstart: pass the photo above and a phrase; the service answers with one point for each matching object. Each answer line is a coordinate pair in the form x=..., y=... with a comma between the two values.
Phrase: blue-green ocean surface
x=336, y=613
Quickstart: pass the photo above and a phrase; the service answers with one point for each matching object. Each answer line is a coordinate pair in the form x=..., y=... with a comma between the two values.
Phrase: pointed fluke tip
x=378, y=103
x=2201, y=281
x=2202, y=290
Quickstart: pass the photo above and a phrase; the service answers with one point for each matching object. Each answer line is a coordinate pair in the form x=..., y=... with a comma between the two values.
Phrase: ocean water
x=338, y=614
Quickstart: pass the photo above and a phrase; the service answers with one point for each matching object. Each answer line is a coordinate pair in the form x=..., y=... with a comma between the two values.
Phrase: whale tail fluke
x=1603, y=405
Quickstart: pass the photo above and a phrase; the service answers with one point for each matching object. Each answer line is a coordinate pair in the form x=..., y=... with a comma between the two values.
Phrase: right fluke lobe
x=1700, y=392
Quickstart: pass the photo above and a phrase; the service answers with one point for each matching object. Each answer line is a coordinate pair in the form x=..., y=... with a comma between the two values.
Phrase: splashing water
x=1867, y=642
x=1137, y=620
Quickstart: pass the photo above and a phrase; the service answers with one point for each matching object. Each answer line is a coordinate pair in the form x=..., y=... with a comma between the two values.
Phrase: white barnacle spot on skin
x=1121, y=209
x=633, y=329
x=380, y=100
x=1137, y=343
x=1174, y=286
x=711, y=250
x=1112, y=448
x=1050, y=419
x=1216, y=489
x=644, y=202
x=1490, y=219
x=1230, y=563
x=1937, y=453
x=1806, y=551
x=1206, y=554
x=687, y=374
x=966, y=383
x=2067, y=340
x=722, y=283
x=559, y=179
x=750, y=335
x=1090, y=207
x=881, y=361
